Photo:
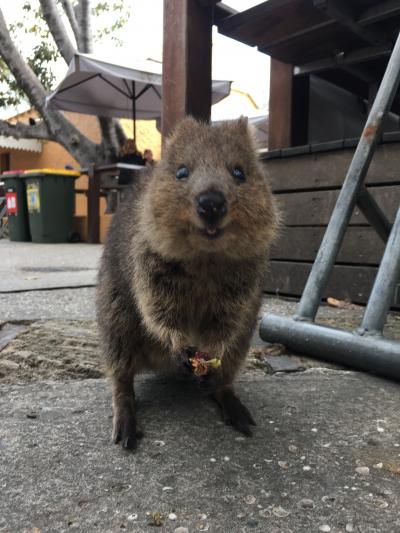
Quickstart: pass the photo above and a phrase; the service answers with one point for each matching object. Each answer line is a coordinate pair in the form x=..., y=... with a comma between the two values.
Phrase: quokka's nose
x=211, y=206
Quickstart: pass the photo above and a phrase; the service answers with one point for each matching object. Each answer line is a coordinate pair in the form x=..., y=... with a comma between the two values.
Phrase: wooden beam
x=357, y=56
x=252, y=14
x=300, y=110
x=280, y=105
x=222, y=12
x=186, y=62
x=380, y=11
x=340, y=11
x=208, y=3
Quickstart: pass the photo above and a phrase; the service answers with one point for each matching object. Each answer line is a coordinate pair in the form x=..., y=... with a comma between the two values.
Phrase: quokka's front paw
x=184, y=359
x=125, y=430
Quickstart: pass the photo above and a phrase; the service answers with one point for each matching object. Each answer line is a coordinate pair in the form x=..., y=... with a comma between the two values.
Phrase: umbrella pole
x=134, y=111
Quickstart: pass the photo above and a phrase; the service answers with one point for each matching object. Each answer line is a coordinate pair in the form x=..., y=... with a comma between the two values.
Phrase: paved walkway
x=324, y=457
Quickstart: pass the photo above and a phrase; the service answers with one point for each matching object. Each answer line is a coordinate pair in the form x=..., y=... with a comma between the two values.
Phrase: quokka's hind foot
x=234, y=412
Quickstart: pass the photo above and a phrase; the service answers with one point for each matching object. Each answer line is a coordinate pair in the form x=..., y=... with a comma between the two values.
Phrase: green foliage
x=121, y=15
x=10, y=93
x=42, y=56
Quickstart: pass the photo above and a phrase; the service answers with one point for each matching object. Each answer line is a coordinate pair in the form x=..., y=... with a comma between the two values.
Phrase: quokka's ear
x=243, y=123
x=247, y=131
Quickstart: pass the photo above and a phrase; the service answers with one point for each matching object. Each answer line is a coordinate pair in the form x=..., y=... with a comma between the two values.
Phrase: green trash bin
x=17, y=212
x=50, y=197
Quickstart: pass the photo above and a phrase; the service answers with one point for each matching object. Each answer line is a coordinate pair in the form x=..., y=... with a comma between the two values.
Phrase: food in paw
x=203, y=362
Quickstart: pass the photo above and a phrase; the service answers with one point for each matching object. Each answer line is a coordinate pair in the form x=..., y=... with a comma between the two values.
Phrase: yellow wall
x=53, y=155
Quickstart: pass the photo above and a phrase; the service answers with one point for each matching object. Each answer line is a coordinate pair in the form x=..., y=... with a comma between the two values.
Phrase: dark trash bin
x=17, y=212
x=50, y=197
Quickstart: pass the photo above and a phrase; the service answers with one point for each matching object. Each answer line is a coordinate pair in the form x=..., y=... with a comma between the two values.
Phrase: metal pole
x=134, y=110
x=374, y=214
x=386, y=280
x=373, y=353
x=319, y=275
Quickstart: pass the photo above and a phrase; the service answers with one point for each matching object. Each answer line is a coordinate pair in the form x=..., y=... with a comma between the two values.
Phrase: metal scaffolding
x=365, y=348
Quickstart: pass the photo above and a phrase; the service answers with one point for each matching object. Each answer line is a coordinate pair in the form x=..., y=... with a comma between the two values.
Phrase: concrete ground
x=325, y=455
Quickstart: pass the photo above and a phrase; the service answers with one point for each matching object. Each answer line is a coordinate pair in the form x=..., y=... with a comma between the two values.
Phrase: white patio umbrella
x=98, y=87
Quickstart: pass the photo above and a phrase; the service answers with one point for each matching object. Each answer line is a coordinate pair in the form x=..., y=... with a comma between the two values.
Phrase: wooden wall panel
x=351, y=283
x=315, y=208
x=308, y=188
x=328, y=169
x=361, y=245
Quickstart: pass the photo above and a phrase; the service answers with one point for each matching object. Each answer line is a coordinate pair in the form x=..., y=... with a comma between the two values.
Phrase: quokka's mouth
x=212, y=233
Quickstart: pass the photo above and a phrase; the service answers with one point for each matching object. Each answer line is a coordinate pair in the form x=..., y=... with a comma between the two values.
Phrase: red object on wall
x=12, y=205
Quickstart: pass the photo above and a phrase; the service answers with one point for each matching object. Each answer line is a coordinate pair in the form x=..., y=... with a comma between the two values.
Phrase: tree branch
x=24, y=131
x=21, y=71
x=57, y=29
x=70, y=13
x=86, y=27
x=119, y=130
x=110, y=141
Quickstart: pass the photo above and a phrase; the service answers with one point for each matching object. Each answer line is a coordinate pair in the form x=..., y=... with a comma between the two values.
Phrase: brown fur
x=164, y=286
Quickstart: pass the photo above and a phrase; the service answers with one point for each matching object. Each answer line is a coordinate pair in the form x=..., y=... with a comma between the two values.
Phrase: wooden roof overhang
x=347, y=42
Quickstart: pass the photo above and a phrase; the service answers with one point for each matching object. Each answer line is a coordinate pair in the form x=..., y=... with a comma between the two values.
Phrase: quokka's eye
x=238, y=174
x=182, y=172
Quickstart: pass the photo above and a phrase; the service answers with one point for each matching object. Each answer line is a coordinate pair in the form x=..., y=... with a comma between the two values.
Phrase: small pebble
x=203, y=516
x=240, y=515
x=213, y=460
x=305, y=503
x=292, y=448
x=181, y=530
x=380, y=430
x=362, y=470
x=240, y=439
x=159, y=443
x=172, y=516
x=378, y=466
x=283, y=464
x=349, y=528
x=280, y=512
x=314, y=430
x=381, y=504
x=167, y=488
x=265, y=513
x=226, y=458
x=306, y=468
x=324, y=527
x=132, y=517
x=250, y=499
x=156, y=519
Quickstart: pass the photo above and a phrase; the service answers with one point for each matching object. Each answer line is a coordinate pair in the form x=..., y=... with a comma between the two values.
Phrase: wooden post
x=280, y=105
x=300, y=110
x=93, y=201
x=186, y=62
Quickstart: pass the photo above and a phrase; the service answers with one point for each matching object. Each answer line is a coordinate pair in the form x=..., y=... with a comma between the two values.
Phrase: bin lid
x=58, y=171
x=12, y=173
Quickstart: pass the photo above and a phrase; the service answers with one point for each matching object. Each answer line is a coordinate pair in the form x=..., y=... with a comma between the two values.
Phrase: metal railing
x=365, y=348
